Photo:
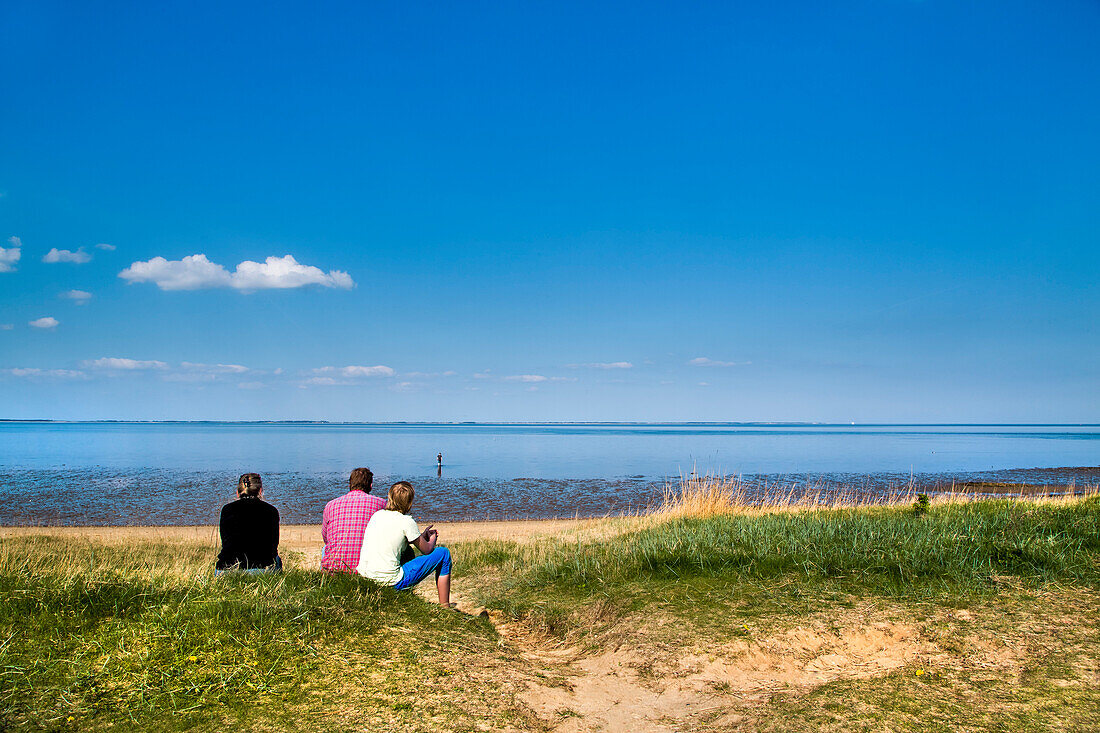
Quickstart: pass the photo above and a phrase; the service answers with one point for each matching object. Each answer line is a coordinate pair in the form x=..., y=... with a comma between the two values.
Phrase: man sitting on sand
x=345, y=520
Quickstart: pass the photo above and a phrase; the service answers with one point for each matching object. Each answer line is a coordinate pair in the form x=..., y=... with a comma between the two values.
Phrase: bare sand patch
x=718, y=684
x=611, y=691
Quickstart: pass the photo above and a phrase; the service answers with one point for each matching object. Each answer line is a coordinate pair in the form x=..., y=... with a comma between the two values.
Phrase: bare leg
x=443, y=585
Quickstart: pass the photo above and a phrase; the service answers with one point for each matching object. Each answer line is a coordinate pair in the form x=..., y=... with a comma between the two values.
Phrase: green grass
x=97, y=636
x=147, y=636
x=783, y=561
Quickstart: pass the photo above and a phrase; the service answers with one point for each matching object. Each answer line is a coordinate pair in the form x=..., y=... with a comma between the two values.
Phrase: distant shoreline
x=553, y=423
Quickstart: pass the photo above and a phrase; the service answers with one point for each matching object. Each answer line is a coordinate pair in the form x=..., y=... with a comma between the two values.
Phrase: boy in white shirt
x=388, y=533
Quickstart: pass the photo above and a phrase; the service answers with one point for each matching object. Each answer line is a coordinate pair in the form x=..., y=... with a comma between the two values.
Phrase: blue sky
x=850, y=211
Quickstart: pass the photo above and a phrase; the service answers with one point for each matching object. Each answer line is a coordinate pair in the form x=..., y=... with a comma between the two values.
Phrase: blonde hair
x=400, y=498
x=249, y=485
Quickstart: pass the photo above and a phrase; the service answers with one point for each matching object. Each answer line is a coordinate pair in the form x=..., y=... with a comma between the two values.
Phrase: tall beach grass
x=709, y=535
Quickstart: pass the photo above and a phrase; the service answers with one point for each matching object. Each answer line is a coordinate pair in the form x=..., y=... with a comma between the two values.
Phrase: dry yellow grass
x=711, y=496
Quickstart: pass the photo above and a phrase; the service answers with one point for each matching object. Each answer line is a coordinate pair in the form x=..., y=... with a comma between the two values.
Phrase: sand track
x=638, y=687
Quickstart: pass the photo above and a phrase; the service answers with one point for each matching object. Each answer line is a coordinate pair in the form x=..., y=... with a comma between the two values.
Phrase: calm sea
x=181, y=473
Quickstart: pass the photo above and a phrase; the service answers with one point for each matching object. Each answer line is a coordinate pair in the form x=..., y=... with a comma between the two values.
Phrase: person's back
x=345, y=520
x=249, y=529
x=387, y=535
x=392, y=531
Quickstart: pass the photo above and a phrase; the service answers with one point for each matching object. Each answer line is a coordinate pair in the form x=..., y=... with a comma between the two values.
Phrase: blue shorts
x=415, y=570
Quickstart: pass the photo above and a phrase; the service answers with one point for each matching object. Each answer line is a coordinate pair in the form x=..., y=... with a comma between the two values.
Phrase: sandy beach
x=303, y=538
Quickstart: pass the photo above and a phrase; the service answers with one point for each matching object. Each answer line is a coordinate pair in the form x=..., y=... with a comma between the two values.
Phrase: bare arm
x=426, y=541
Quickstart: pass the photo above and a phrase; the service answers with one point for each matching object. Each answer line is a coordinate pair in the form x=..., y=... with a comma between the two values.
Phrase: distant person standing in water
x=439, y=460
x=344, y=521
x=249, y=529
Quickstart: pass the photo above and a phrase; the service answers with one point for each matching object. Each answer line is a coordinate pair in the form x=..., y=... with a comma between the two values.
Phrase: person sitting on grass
x=389, y=532
x=249, y=529
x=344, y=520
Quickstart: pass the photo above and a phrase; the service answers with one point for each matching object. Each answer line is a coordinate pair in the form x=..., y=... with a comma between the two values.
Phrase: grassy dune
x=979, y=615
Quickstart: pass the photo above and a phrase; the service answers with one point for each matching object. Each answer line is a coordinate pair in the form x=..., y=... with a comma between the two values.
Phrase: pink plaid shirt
x=342, y=528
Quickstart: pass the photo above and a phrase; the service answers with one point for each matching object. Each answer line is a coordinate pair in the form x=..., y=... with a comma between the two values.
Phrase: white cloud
x=63, y=255
x=80, y=297
x=526, y=378
x=190, y=273
x=703, y=361
x=215, y=368
x=196, y=272
x=119, y=364
x=6, y=326
x=45, y=322
x=346, y=375
x=285, y=272
x=603, y=365
x=54, y=373
x=106, y=247
x=250, y=385
x=11, y=255
x=357, y=371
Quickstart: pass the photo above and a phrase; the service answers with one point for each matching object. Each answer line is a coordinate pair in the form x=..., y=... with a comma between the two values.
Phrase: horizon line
x=772, y=423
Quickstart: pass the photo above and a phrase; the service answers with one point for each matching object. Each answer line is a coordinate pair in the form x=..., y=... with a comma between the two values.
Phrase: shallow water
x=181, y=473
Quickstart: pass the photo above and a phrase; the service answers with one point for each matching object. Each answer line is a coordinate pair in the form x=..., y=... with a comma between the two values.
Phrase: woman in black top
x=250, y=530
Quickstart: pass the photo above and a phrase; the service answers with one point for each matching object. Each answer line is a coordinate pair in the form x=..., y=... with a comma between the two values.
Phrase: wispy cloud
x=602, y=365
x=106, y=247
x=78, y=257
x=124, y=365
x=46, y=322
x=352, y=372
x=80, y=297
x=703, y=361
x=536, y=378
x=6, y=326
x=190, y=371
x=526, y=378
x=10, y=255
x=196, y=272
x=50, y=373
x=214, y=368
x=251, y=385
